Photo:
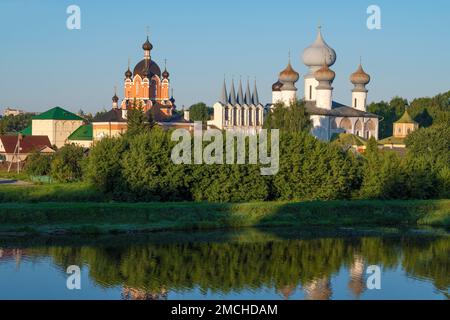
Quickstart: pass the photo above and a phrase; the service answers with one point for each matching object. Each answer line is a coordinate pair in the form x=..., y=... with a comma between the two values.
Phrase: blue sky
x=43, y=64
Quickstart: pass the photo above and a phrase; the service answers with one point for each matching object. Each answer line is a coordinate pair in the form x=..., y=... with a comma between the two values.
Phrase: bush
x=67, y=164
x=147, y=170
x=103, y=166
x=38, y=164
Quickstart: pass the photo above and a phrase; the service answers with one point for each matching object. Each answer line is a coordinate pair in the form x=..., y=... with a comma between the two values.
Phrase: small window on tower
x=310, y=92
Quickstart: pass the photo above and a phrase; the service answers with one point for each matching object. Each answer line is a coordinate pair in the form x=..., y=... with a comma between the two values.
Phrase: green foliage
x=14, y=124
x=38, y=164
x=199, y=112
x=310, y=169
x=147, y=169
x=103, y=166
x=390, y=112
x=137, y=121
x=289, y=119
x=433, y=142
x=67, y=164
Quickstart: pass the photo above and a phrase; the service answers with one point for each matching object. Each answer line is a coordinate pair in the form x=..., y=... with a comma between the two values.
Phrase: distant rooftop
x=58, y=113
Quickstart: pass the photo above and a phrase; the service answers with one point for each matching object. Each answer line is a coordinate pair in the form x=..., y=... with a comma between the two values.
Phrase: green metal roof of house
x=27, y=131
x=348, y=139
x=84, y=133
x=392, y=140
x=57, y=113
x=406, y=118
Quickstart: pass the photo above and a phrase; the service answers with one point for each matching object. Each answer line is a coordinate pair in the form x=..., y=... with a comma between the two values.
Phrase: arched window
x=346, y=124
x=370, y=129
x=359, y=130
x=243, y=117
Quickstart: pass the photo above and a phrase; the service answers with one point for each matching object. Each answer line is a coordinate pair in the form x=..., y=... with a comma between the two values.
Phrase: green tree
x=289, y=119
x=38, y=164
x=14, y=124
x=67, y=164
x=137, y=121
x=382, y=176
x=103, y=166
x=147, y=168
x=312, y=170
x=199, y=112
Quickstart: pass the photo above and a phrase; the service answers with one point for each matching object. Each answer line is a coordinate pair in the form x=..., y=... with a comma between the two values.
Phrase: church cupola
x=165, y=73
x=128, y=74
x=314, y=57
x=359, y=93
x=115, y=100
x=324, y=91
x=147, y=46
x=288, y=77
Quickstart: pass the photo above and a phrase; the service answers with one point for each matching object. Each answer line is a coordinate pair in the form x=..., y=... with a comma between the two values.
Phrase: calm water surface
x=245, y=264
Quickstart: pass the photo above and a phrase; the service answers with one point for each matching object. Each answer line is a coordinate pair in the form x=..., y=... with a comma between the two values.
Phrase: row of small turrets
x=239, y=98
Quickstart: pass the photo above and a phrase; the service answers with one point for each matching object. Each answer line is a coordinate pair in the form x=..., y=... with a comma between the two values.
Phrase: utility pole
x=16, y=154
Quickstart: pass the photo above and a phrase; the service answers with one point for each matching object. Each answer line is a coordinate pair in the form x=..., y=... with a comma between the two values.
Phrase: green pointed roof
x=84, y=133
x=27, y=131
x=406, y=118
x=348, y=139
x=392, y=140
x=57, y=113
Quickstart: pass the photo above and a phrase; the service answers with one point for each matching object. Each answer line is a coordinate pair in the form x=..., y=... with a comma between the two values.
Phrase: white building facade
x=238, y=112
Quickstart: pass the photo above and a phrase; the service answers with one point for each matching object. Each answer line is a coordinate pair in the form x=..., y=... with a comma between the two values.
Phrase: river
x=241, y=264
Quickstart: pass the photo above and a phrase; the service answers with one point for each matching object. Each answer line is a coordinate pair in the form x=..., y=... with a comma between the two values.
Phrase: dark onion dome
x=289, y=74
x=165, y=74
x=142, y=70
x=172, y=99
x=115, y=98
x=277, y=86
x=147, y=46
x=360, y=77
x=128, y=74
x=325, y=74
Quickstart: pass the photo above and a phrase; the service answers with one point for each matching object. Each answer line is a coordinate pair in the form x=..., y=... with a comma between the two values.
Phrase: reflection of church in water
x=129, y=293
x=320, y=288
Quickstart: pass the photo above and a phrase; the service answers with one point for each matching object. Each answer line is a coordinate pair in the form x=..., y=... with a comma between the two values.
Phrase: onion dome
x=147, y=46
x=277, y=86
x=289, y=75
x=115, y=98
x=314, y=55
x=325, y=74
x=360, y=77
x=165, y=74
x=128, y=74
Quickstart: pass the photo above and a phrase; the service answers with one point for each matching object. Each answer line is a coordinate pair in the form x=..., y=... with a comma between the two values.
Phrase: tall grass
x=79, y=217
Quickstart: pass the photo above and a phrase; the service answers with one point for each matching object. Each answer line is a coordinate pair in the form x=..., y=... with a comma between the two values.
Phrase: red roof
x=28, y=144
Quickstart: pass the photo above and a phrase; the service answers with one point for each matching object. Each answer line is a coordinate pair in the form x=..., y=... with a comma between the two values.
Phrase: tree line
x=137, y=166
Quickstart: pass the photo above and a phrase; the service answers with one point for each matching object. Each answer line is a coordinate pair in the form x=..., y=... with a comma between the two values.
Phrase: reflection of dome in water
x=319, y=289
x=357, y=284
x=141, y=294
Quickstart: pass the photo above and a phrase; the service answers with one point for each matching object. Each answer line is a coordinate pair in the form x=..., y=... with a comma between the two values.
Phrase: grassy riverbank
x=98, y=218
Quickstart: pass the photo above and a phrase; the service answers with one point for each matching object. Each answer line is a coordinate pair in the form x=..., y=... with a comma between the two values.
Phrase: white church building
x=246, y=114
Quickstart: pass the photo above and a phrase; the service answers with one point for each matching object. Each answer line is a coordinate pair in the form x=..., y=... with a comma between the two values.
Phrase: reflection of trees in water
x=150, y=271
